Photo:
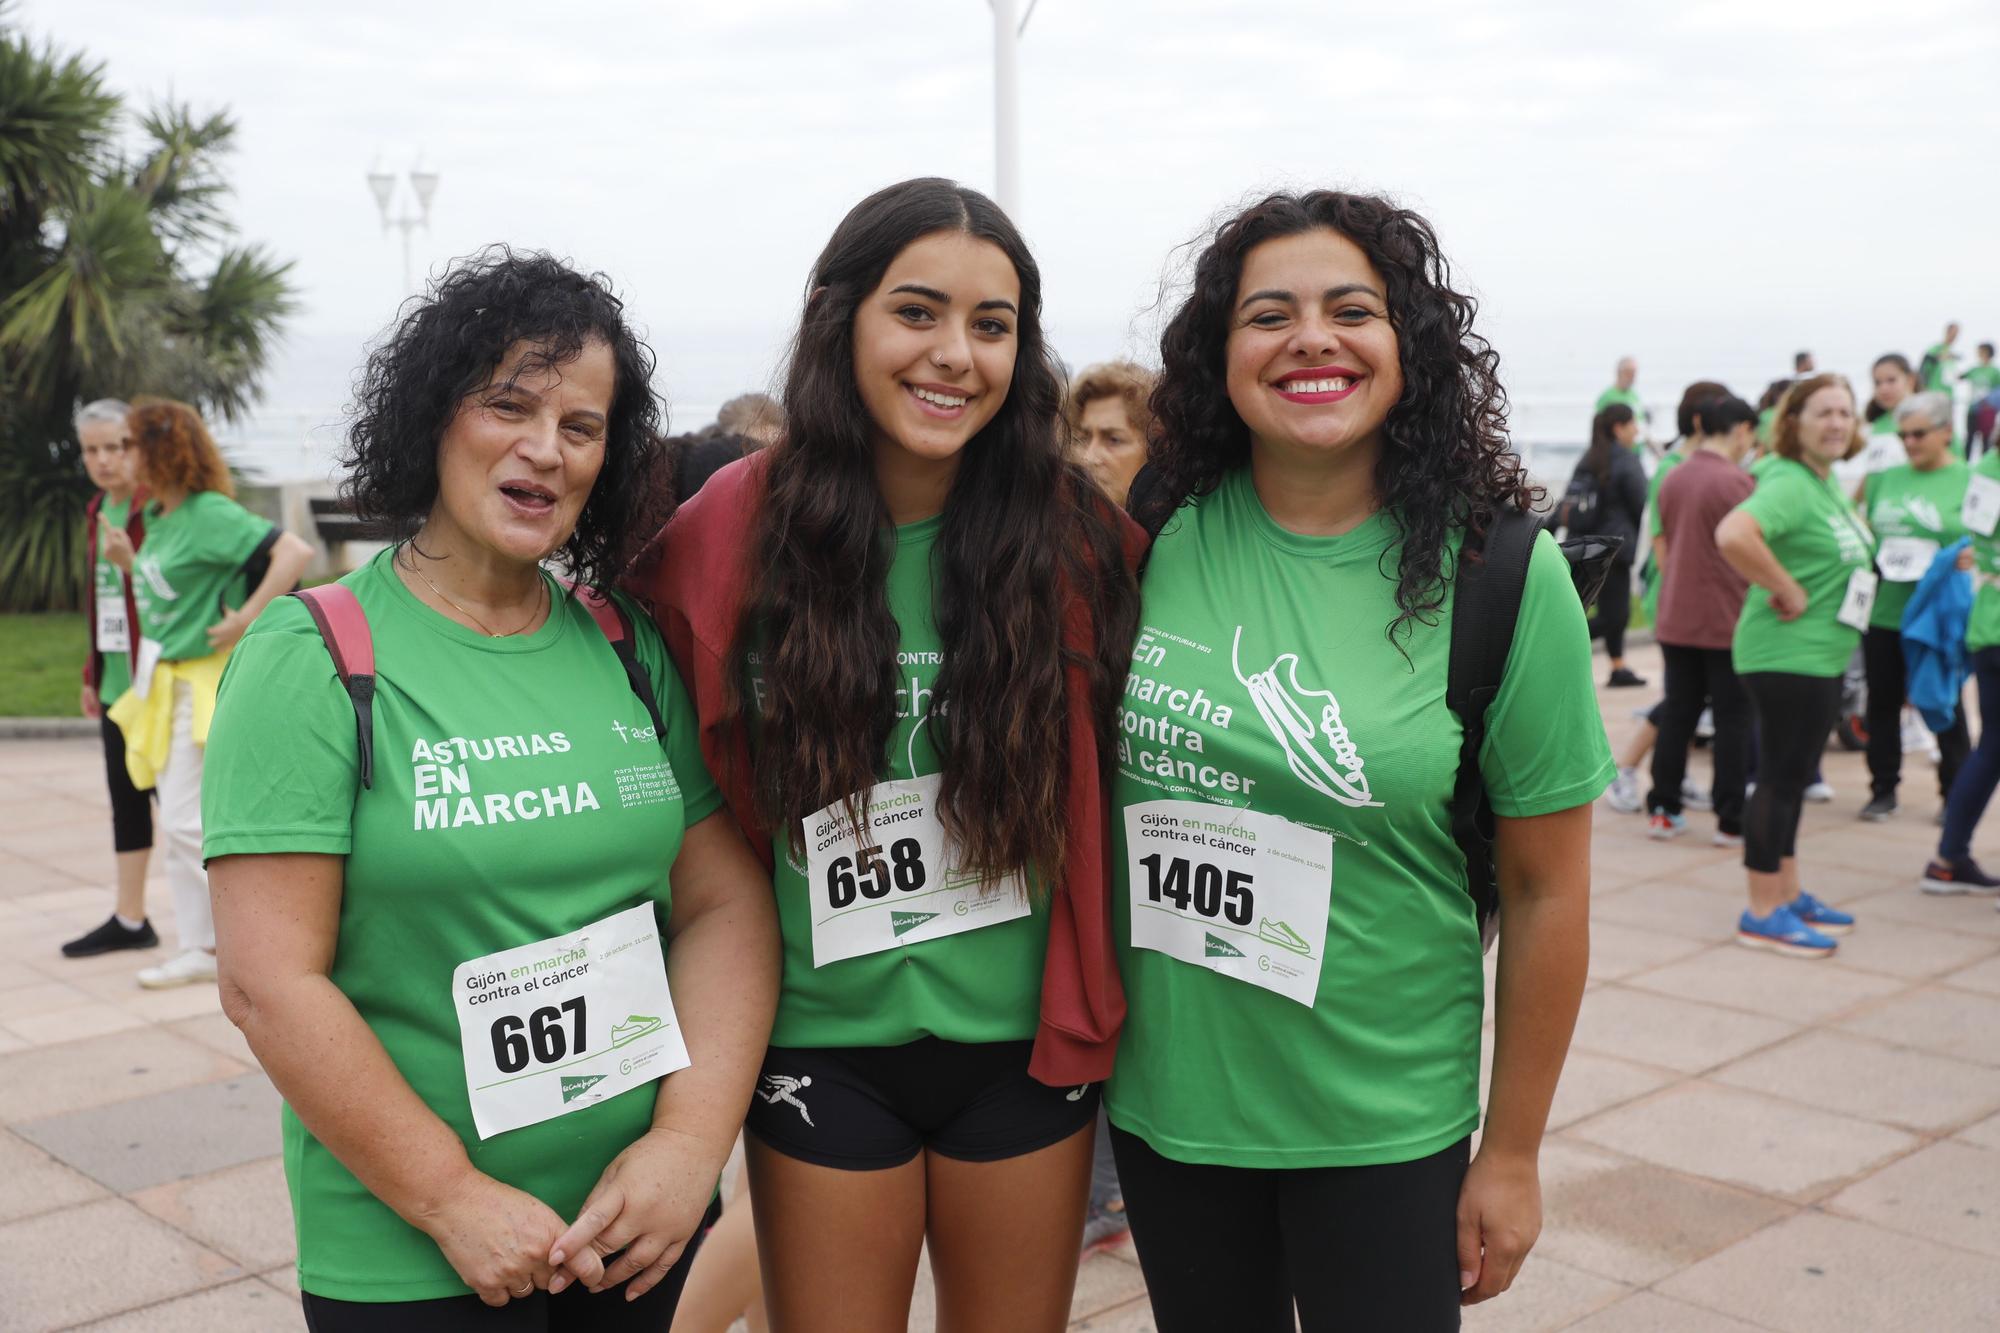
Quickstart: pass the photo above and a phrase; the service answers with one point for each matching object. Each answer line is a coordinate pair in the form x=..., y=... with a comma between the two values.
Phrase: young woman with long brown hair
x=906, y=626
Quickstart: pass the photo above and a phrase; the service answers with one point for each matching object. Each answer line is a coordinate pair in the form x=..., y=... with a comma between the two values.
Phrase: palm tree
x=115, y=279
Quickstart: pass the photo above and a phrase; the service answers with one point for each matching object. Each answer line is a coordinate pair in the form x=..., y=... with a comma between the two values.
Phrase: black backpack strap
x=1148, y=501
x=344, y=626
x=610, y=618
x=254, y=567
x=1485, y=604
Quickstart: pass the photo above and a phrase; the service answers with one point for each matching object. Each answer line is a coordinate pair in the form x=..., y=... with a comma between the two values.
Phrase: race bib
x=1981, y=510
x=142, y=670
x=899, y=882
x=113, y=635
x=1860, y=599
x=1905, y=559
x=1233, y=891
x=567, y=1022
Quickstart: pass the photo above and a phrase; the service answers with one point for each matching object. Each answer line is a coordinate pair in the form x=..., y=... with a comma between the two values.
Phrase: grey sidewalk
x=1740, y=1142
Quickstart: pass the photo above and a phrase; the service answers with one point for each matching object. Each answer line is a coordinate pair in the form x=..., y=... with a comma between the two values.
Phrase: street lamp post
x=1007, y=32
x=423, y=184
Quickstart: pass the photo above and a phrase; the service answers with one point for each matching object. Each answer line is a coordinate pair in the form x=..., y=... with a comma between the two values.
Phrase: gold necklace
x=489, y=633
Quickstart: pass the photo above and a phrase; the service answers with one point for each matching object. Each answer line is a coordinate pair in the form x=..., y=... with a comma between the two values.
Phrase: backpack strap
x=254, y=567
x=1486, y=603
x=1147, y=500
x=610, y=618
x=344, y=626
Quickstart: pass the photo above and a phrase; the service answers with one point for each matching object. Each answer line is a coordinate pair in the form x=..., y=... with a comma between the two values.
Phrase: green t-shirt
x=1983, y=378
x=1903, y=505
x=1649, y=596
x=1983, y=630
x=982, y=985
x=519, y=794
x=1761, y=464
x=189, y=560
x=115, y=674
x=1248, y=632
x=1943, y=364
x=1813, y=530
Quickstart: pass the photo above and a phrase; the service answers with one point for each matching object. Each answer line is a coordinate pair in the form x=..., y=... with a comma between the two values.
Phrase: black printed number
x=867, y=875
x=540, y=1038
x=1198, y=887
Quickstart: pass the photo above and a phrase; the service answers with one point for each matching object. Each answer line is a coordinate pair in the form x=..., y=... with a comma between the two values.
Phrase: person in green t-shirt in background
x=115, y=527
x=1913, y=511
x=1300, y=1065
x=1623, y=376
x=1893, y=381
x=492, y=939
x=1939, y=368
x=1799, y=540
x=196, y=560
x=1952, y=870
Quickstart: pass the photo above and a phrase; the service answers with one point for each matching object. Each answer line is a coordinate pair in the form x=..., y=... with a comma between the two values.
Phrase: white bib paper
x=113, y=635
x=1860, y=599
x=1234, y=891
x=899, y=883
x=567, y=1022
x=1905, y=559
x=1981, y=510
x=142, y=670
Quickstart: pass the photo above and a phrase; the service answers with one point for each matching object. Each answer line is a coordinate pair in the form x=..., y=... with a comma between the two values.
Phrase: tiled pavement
x=1740, y=1142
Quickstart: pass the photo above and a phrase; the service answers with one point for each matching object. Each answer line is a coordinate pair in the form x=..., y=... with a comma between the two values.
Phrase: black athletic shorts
x=868, y=1108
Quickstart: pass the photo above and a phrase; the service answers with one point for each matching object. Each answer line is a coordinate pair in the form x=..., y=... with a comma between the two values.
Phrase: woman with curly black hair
x=478, y=913
x=905, y=625
x=1298, y=1080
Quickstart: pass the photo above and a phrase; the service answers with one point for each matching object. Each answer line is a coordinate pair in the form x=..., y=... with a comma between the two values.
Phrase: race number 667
x=1212, y=894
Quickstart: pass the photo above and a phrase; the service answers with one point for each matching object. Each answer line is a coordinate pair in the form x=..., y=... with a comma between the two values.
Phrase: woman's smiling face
x=1313, y=362
x=935, y=342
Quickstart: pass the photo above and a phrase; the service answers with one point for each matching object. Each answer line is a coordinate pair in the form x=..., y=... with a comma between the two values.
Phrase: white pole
x=1006, y=106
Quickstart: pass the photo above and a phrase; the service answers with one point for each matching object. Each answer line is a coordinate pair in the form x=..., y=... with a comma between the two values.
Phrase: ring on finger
x=527, y=1289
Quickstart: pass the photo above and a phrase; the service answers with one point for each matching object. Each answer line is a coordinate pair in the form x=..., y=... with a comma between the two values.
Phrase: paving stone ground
x=1740, y=1142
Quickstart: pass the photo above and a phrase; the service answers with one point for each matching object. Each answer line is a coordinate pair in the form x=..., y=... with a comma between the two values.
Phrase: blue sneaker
x=1782, y=932
x=1826, y=920
x=1662, y=827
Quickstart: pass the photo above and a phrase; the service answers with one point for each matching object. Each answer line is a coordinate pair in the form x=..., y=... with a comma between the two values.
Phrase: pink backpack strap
x=611, y=621
x=344, y=626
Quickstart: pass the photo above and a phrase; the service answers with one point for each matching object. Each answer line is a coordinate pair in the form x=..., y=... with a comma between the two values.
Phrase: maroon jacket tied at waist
x=694, y=576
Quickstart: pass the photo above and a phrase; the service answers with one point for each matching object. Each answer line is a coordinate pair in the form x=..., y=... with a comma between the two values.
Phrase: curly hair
x=175, y=450
x=1130, y=384
x=1023, y=532
x=1785, y=426
x=1445, y=463
x=450, y=345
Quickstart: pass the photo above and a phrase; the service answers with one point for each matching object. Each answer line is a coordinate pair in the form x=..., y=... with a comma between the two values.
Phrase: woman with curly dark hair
x=906, y=624
x=1298, y=1081
x=480, y=916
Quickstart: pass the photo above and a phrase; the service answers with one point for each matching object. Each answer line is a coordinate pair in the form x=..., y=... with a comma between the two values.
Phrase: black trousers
x=1882, y=654
x=1700, y=678
x=1614, y=609
x=131, y=809
x=1355, y=1247
x=576, y=1310
x=1795, y=714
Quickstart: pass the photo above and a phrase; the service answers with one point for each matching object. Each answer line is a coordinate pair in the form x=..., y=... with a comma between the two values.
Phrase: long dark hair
x=1445, y=461
x=1603, y=439
x=1022, y=530
x=1875, y=410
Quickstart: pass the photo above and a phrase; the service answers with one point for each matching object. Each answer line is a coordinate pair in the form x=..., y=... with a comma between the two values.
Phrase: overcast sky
x=1706, y=183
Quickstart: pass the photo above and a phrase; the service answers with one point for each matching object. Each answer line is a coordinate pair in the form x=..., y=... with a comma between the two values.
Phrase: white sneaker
x=180, y=970
x=1819, y=793
x=1624, y=793
x=1694, y=796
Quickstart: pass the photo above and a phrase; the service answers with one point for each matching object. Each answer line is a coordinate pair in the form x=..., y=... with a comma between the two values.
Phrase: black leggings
x=131, y=809
x=1795, y=714
x=1882, y=653
x=1356, y=1247
x=576, y=1310
x=1697, y=676
x=1614, y=609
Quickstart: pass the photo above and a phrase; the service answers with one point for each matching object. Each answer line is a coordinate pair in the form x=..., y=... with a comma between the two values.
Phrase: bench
x=337, y=525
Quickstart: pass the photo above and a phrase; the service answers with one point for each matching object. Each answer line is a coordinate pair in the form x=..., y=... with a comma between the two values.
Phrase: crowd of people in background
x=1794, y=551
x=1074, y=640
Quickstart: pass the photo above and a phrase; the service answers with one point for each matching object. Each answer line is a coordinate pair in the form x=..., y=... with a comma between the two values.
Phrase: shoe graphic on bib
x=1282, y=935
x=634, y=1027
